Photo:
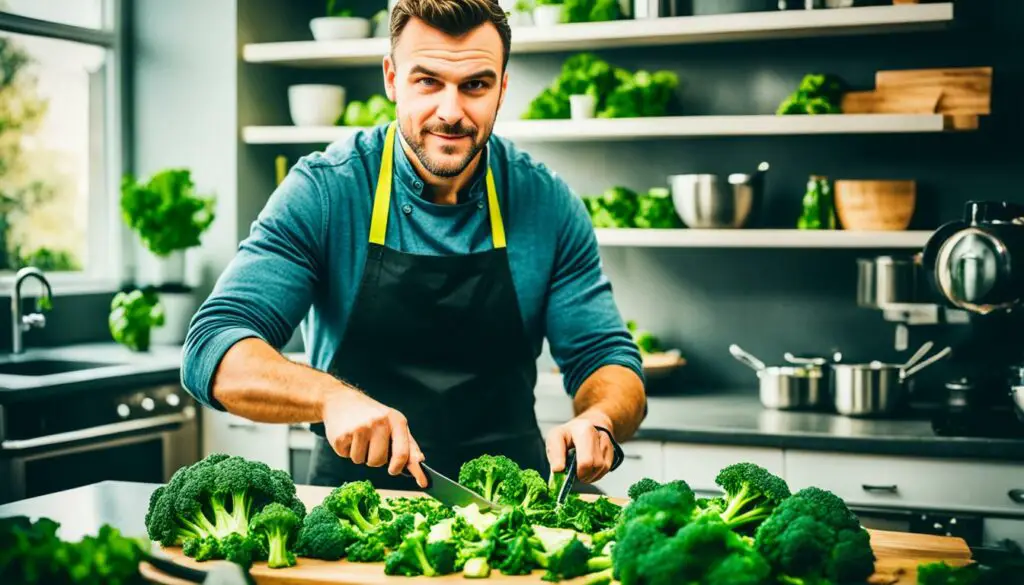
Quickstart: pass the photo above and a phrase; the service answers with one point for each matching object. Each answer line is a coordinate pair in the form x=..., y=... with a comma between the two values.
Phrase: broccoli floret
x=752, y=493
x=488, y=474
x=801, y=545
x=667, y=508
x=410, y=558
x=634, y=539
x=565, y=559
x=242, y=550
x=477, y=568
x=390, y=534
x=482, y=549
x=739, y=568
x=429, y=508
x=278, y=526
x=576, y=514
x=442, y=556
x=324, y=536
x=214, y=498
x=941, y=573
x=829, y=508
x=357, y=502
x=202, y=549
x=370, y=550
x=530, y=493
x=516, y=554
x=641, y=487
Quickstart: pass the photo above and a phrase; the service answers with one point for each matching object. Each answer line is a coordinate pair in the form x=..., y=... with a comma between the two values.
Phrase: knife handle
x=619, y=455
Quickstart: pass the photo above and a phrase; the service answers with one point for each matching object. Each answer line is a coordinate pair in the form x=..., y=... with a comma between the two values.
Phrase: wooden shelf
x=749, y=26
x=756, y=238
x=645, y=128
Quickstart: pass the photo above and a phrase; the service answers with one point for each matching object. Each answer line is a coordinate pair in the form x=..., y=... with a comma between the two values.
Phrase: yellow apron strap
x=382, y=198
x=497, y=226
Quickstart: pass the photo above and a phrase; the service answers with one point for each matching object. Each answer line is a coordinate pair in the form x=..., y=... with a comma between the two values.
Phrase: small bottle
x=826, y=204
x=810, y=219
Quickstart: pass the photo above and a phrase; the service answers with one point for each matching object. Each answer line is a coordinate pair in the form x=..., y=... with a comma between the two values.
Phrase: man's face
x=447, y=93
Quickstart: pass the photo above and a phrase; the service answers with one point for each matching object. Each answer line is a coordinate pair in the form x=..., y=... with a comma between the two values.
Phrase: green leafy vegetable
x=592, y=10
x=166, y=211
x=620, y=207
x=648, y=344
x=337, y=9
x=617, y=92
x=374, y=111
x=819, y=93
x=133, y=315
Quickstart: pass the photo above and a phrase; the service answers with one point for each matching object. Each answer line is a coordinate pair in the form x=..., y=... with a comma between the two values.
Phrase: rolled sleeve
x=268, y=286
x=584, y=328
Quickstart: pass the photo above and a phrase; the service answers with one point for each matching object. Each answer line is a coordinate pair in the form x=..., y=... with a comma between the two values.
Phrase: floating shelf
x=637, y=33
x=643, y=128
x=757, y=238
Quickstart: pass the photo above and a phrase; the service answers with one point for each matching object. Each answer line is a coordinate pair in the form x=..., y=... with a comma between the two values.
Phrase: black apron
x=440, y=339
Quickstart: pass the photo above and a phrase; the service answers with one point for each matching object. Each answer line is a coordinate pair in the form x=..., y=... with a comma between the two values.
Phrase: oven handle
x=102, y=431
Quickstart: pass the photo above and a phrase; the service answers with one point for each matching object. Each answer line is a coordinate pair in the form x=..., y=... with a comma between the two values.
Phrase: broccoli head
x=356, y=501
x=641, y=487
x=751, y=494
x=667, y=508
x=941, y=573
x=324, y=536
x=215, y=497
x=489, y=475
x=530, y=493
x=278, y=526
x=410, y=558
x=432, y=510
x=369, y=550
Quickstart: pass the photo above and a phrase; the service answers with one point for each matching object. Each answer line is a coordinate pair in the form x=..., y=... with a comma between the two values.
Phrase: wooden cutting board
x=897, y=557
x=965, y=90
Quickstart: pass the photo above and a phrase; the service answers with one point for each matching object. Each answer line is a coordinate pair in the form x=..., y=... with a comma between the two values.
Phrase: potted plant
x=169, y=217
x=521, y=13
x=133, y=316
x=548, y=12
x=340, y=22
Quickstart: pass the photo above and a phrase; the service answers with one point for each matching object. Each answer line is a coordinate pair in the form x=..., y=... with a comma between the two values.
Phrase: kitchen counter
x=160, y=365
x=82, y=511
x=736, y=417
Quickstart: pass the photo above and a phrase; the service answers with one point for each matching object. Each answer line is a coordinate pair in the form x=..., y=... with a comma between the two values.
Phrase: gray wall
x=769, y=301
x=772, y=301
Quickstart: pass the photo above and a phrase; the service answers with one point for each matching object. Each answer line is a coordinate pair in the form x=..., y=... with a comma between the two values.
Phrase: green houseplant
x=133, y=316
x=169, y=216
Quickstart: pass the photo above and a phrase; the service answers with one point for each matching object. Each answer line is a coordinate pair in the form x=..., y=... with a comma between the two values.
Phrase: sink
x=45, y=367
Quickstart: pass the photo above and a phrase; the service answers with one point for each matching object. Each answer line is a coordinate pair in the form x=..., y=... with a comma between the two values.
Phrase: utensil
x=570, y=478
x=877, y=388
x=796, y=387
x=705, y=201
x=452, y=493
x=887, y=280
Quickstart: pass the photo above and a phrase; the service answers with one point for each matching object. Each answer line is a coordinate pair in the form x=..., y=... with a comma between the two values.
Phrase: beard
x=442, y=168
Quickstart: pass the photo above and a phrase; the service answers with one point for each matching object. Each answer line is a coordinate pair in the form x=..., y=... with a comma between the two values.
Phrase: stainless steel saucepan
x=876, y=388
x=791, y=387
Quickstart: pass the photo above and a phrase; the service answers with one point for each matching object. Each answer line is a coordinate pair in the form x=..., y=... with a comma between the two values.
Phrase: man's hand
x=594, y=451
x=363, y=430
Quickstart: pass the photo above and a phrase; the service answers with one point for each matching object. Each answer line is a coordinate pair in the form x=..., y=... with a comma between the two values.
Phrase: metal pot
x=705, y=201
x=877, y=388
x=887, y=280
x=793, y=387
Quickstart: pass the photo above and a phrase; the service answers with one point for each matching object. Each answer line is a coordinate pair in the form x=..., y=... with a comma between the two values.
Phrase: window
x=60, y=140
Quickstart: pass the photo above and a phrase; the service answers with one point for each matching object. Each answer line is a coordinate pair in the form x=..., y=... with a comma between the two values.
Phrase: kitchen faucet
x=19, y=322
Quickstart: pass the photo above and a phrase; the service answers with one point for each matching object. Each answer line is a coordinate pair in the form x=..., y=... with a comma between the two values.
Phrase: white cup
x=582, y=106
x=336, y=28
x=316, y=104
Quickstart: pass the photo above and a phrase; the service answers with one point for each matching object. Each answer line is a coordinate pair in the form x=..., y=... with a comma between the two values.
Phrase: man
x=432, y=258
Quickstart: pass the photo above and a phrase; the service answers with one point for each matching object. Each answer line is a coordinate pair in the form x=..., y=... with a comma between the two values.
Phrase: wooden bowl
x=875, y=205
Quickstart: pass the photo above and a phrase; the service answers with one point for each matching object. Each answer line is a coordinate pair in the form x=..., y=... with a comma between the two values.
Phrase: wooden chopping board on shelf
x=898, y=555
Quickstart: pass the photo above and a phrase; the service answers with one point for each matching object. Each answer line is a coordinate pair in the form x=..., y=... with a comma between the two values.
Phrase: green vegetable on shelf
x=132, y=317
x=645, y=340
x=819, y=93
x=336, y=8
x=619, y=207
x=618, y=93
x=374, y=111
x=592, y=10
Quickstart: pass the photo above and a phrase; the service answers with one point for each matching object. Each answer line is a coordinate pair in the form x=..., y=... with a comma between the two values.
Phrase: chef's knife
x=570, y=478
x=452, y=493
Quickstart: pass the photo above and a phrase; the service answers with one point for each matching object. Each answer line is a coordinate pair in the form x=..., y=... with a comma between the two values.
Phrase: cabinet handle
x=1017, y=495
x=249, y=426
x=891, y=489
x=629, y=456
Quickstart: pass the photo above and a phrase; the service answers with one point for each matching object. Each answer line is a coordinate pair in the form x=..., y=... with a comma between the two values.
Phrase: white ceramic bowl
x=316, y=105
x=547, y=14
x=334, y=28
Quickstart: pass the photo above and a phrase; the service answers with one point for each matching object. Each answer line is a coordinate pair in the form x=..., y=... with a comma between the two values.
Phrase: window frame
x=109, y=242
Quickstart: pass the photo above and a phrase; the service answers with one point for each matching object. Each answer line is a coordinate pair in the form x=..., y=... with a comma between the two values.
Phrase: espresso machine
x=970, y=275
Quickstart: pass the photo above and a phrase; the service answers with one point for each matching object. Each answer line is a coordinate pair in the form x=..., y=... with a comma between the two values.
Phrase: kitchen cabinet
x=642, y=459
x=226, y=433
x=698, y=465
x=906, y=482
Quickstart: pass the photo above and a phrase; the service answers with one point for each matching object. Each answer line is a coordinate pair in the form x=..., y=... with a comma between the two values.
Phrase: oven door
x=147, y=450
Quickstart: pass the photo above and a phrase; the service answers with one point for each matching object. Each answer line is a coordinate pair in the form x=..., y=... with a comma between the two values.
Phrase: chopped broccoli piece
x=476, y=568
x=488, y=475
x=324, y=536
x=410, y=558
x=667, y=508
x=642, y=486
x=752, y=493
x=357, y=502
x=370, y=550
x=278, y=526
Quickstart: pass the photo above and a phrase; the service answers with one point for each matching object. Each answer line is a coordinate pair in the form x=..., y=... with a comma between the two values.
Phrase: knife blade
x=452, y=493
x=570, y=478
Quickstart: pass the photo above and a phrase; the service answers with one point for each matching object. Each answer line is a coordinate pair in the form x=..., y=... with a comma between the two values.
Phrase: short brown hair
x=453, y=17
